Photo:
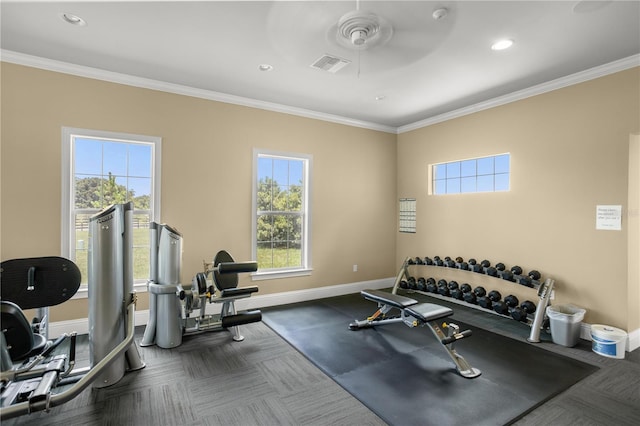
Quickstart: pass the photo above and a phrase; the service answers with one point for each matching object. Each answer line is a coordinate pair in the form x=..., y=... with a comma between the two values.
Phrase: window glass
x=485, y=174
x=105, y=168
x=281, y=215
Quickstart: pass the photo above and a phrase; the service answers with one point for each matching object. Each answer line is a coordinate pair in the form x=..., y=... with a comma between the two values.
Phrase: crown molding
x=559, y=83
x=146, y=83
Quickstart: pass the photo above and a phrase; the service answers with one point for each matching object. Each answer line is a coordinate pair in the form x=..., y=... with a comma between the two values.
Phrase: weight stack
x=110, y=281
x=165, y=319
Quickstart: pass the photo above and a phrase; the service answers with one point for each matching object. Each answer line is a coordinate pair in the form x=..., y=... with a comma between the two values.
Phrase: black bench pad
x=394, y=300
x=238, y=291
x=428, y=311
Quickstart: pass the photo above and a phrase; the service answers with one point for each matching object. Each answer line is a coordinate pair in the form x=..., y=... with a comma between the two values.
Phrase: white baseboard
x=81, y=326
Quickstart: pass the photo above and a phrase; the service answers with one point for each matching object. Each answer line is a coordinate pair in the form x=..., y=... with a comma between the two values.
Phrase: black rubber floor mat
x=404, y=375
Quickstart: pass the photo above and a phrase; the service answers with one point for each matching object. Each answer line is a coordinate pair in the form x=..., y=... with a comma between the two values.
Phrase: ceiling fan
x=377, y=36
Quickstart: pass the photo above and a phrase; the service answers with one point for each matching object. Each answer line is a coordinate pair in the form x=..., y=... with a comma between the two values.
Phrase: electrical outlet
x=355, y=268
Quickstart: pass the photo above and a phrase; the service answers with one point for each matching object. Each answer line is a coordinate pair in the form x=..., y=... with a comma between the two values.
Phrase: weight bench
x=414, y=314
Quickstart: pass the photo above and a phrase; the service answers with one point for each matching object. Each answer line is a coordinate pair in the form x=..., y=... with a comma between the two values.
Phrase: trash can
x=565, y=322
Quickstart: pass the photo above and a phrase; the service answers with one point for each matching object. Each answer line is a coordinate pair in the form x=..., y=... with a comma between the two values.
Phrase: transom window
x=104, y=168
x=281, y=212
x=485, y=174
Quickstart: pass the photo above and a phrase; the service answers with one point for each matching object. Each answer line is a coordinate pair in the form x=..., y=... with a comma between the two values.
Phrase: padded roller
x=237, y=267
x=240, y=291
x=241, y=318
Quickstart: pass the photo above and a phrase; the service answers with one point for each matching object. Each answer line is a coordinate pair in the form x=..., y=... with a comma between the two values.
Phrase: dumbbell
x=504, y=306
x=485, y=263
x=450, y=263
x=422, y=284
x=534, y=275
x=464, y=266
x=457, y=292
x=501, y=307
x=500, y=266
x=428, y=261
x=511, y=301
x=472, y=296
x=437, y=261
x=443, y=288
x=488, y=300
x=507, y=275
x=431, y=285
x=474, y=266
x=516, y=270
x=525, y=281
x=411, y=281
x=418, y=261
x=491, y=271
x=404, y=284
x=480, y=291
x=453, y=289
x=459, y=259
x=519, y=313
x=467, y=294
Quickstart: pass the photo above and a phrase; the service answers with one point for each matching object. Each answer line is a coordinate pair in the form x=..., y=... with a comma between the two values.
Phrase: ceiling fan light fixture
x=362, y=30
x=358, y=37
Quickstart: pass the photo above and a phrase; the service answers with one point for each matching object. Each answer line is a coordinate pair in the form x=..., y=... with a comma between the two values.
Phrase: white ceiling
x=427, y=68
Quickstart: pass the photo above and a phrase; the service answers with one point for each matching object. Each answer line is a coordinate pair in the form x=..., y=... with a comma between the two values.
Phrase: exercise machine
x=415, y=314
x=177, y=309
x=35, y=375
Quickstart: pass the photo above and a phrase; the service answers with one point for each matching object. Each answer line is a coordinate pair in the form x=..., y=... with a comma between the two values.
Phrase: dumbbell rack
x=532, y=280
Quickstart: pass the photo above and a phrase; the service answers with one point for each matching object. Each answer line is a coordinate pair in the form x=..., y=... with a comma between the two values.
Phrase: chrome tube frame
x=54, y=400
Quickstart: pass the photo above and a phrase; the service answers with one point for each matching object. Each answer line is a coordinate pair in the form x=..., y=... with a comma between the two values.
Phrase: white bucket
x=608, y=341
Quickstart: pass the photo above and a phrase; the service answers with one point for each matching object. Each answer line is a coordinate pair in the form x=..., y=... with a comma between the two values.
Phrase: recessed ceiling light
x=502, y=44
x=72, y=19
x=380, y=98
x=440, y=13
x=265, y=67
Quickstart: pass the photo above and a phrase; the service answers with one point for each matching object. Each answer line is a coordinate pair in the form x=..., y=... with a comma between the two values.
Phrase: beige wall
x=207, y=150
x=569, y=150
x=569, y=153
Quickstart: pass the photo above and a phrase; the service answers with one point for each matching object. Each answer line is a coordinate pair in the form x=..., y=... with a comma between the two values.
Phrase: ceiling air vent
x=330, y=63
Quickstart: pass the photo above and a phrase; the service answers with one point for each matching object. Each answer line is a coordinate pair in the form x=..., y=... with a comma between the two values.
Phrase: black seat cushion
x=17, y=331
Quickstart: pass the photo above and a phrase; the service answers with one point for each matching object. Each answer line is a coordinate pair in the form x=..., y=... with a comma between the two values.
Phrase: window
x=281, y=213
x=103, y=168
x=485, y=174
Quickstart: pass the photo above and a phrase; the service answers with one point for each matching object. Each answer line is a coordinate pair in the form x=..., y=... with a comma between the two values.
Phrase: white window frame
x=432, y=178
x=306, y=268
x=68, y=185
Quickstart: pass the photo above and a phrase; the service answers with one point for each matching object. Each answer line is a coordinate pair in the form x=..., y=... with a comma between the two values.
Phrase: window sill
x=83, y=292
x=260, y=276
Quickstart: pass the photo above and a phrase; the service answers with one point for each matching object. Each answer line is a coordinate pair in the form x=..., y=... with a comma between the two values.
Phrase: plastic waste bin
x=565, y=322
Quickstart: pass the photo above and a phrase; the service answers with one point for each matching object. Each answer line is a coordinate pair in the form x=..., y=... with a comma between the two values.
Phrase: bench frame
x=414, y=314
